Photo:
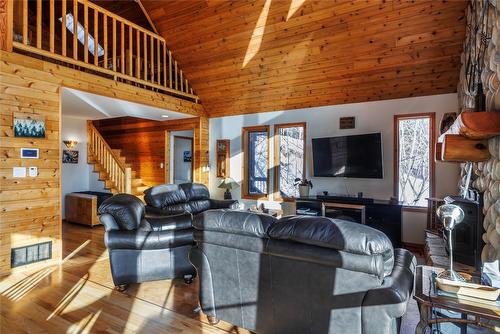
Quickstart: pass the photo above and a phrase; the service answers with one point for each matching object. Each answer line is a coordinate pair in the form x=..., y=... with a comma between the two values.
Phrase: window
x=81, y=35
x=414, y=160
x=256, y=162
x=289, y=158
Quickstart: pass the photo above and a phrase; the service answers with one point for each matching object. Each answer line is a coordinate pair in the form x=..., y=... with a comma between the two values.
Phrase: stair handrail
x=122, y=178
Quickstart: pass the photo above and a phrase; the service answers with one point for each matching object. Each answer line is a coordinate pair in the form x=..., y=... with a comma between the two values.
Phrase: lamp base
x=452, y=275
x=227, y=194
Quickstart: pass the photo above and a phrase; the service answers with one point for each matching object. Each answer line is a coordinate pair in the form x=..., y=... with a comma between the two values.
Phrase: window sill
x=255, y=197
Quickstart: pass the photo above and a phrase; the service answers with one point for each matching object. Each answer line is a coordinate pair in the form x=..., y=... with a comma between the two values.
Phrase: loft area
x=249, y=166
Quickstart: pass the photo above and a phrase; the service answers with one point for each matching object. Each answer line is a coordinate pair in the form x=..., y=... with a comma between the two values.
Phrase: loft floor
x=78, y=297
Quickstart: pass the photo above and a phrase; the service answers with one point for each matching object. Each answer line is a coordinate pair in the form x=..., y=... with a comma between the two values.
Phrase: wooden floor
x=78, y=297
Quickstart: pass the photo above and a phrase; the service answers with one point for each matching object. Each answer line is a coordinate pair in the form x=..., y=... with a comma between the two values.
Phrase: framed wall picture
x=70, y=157
x=28, y=125
x=29, y=153
x=347, y=122
x=222, y=155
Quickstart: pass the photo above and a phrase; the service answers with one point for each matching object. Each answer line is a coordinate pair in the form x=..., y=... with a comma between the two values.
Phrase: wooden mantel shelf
x=467, y=139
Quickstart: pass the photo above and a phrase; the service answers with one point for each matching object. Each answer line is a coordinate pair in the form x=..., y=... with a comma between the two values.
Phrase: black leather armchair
x=145, y=249
x=299, y=274
x=172, y=199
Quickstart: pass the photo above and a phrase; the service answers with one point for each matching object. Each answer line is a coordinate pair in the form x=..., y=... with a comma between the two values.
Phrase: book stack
x=468, y=291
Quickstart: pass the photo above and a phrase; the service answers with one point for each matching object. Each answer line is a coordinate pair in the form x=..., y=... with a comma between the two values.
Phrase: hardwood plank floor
x=78, y=296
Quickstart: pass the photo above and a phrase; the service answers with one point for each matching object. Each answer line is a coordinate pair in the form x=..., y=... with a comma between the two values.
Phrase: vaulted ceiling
x=255, y=56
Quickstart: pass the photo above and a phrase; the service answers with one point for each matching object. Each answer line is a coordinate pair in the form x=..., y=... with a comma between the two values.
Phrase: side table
x=428, y=299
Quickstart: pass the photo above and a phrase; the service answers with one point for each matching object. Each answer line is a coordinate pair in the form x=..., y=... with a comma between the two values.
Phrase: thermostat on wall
x=29, y=153
x=33, y=171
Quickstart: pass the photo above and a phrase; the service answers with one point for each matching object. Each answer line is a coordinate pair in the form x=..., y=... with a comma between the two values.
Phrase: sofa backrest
x=249, y=263
x=126, y=210
x=173, y=198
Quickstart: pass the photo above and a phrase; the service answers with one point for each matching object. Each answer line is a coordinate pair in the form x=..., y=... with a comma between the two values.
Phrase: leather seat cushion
x=127, y=210
x=164, y=195
x=332, y=233
x=142, y=240
x=198, y=206
x=232, y=221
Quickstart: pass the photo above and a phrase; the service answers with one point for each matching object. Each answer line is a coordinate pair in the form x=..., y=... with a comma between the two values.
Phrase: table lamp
x=450, y=215
x=228, y=184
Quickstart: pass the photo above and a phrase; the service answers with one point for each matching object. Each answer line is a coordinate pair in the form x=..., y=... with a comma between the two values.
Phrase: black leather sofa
x=172, y=199
x=299, y=274
x=145, y=249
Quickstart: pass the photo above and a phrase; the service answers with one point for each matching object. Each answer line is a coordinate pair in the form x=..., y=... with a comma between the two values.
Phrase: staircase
x=111, y=165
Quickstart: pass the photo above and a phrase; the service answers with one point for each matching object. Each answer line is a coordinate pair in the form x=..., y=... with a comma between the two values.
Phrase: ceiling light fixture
x=164, y=116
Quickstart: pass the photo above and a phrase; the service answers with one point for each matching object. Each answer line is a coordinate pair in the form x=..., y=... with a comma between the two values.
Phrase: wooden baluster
x=63, y=27
x=152, y=60
x=122, y=48
x=138, y=55
x=170, y=68
x=130, y=51
x=176, y=76
x=114, y=44
x=191, y=90
x=96, y=37
x=25, y=22
x=182, y=82
x=186, y=85
x=145, y=70
x=128, y=180
x=52, y=24
x=158, y=66
x=75, y=29
x=39, y=24
x=86, y=31
x=105, y=46
x=164, y=64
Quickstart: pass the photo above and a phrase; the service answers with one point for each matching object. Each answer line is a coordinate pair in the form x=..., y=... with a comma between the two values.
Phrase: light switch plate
x=33, y=171
x=19, y=172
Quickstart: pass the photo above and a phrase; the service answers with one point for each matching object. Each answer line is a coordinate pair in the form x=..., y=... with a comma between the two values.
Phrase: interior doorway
x=181, y=156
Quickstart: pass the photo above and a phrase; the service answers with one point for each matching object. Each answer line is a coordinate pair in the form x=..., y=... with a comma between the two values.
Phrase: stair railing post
x=128, y=180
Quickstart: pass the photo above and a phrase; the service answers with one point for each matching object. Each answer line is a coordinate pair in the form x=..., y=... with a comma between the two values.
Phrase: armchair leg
x=121, y=287
x=212, y=320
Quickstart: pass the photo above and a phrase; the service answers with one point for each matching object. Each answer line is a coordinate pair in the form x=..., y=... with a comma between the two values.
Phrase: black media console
x=382, y=215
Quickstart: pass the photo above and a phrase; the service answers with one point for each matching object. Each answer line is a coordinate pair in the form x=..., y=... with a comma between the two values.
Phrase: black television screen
x=358, y=156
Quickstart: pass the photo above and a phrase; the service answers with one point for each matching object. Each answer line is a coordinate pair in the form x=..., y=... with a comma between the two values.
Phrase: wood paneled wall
x=145, y=145
x=30, y=207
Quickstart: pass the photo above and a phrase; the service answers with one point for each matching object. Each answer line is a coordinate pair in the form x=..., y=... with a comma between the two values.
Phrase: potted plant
x=304, y=186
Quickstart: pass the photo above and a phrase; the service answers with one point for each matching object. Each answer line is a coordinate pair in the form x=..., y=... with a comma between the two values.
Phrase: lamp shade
x=229, y=184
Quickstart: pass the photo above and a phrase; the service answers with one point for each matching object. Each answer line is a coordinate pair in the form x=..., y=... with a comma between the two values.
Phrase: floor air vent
x=21, y=256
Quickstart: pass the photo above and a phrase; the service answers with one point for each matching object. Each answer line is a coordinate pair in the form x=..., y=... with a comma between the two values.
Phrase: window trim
x=276, y=163
x=244, y=149
x=432, y=163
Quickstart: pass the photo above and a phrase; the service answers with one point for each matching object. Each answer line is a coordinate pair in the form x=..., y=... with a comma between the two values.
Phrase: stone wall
x=486, y=174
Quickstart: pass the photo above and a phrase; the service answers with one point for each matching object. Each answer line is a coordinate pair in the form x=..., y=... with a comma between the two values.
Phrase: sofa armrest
x=387, y=303
x=109, y=222
x=143, y=240
x=224, y=204
x=170, y=223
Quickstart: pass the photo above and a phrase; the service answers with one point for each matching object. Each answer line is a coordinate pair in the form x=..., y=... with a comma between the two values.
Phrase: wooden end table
x=428, y=299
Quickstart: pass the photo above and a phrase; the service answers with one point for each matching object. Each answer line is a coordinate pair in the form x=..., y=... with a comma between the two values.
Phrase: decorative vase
x=304, y=190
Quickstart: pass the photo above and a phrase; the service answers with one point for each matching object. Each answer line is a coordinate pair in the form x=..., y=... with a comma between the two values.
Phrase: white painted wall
x=324, y=122
x=77, y=177
x=181, y=165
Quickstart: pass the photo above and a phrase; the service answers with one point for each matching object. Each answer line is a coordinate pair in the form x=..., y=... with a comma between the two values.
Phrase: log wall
x=486, y=174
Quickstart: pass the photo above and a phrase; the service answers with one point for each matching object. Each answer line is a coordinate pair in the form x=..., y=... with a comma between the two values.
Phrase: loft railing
x=78, y=32
x=117, y=172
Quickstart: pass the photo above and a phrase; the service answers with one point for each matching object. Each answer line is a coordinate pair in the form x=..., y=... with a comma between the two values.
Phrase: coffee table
x=428, y=300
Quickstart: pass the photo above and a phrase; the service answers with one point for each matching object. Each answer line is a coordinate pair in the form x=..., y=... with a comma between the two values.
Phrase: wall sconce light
x=70, y=143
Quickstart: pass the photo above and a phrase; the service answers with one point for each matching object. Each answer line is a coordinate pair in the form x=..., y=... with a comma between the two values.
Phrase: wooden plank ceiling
x=264, y=55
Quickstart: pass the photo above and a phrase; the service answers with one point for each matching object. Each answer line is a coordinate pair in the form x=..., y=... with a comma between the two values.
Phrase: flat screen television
x=358, y=156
